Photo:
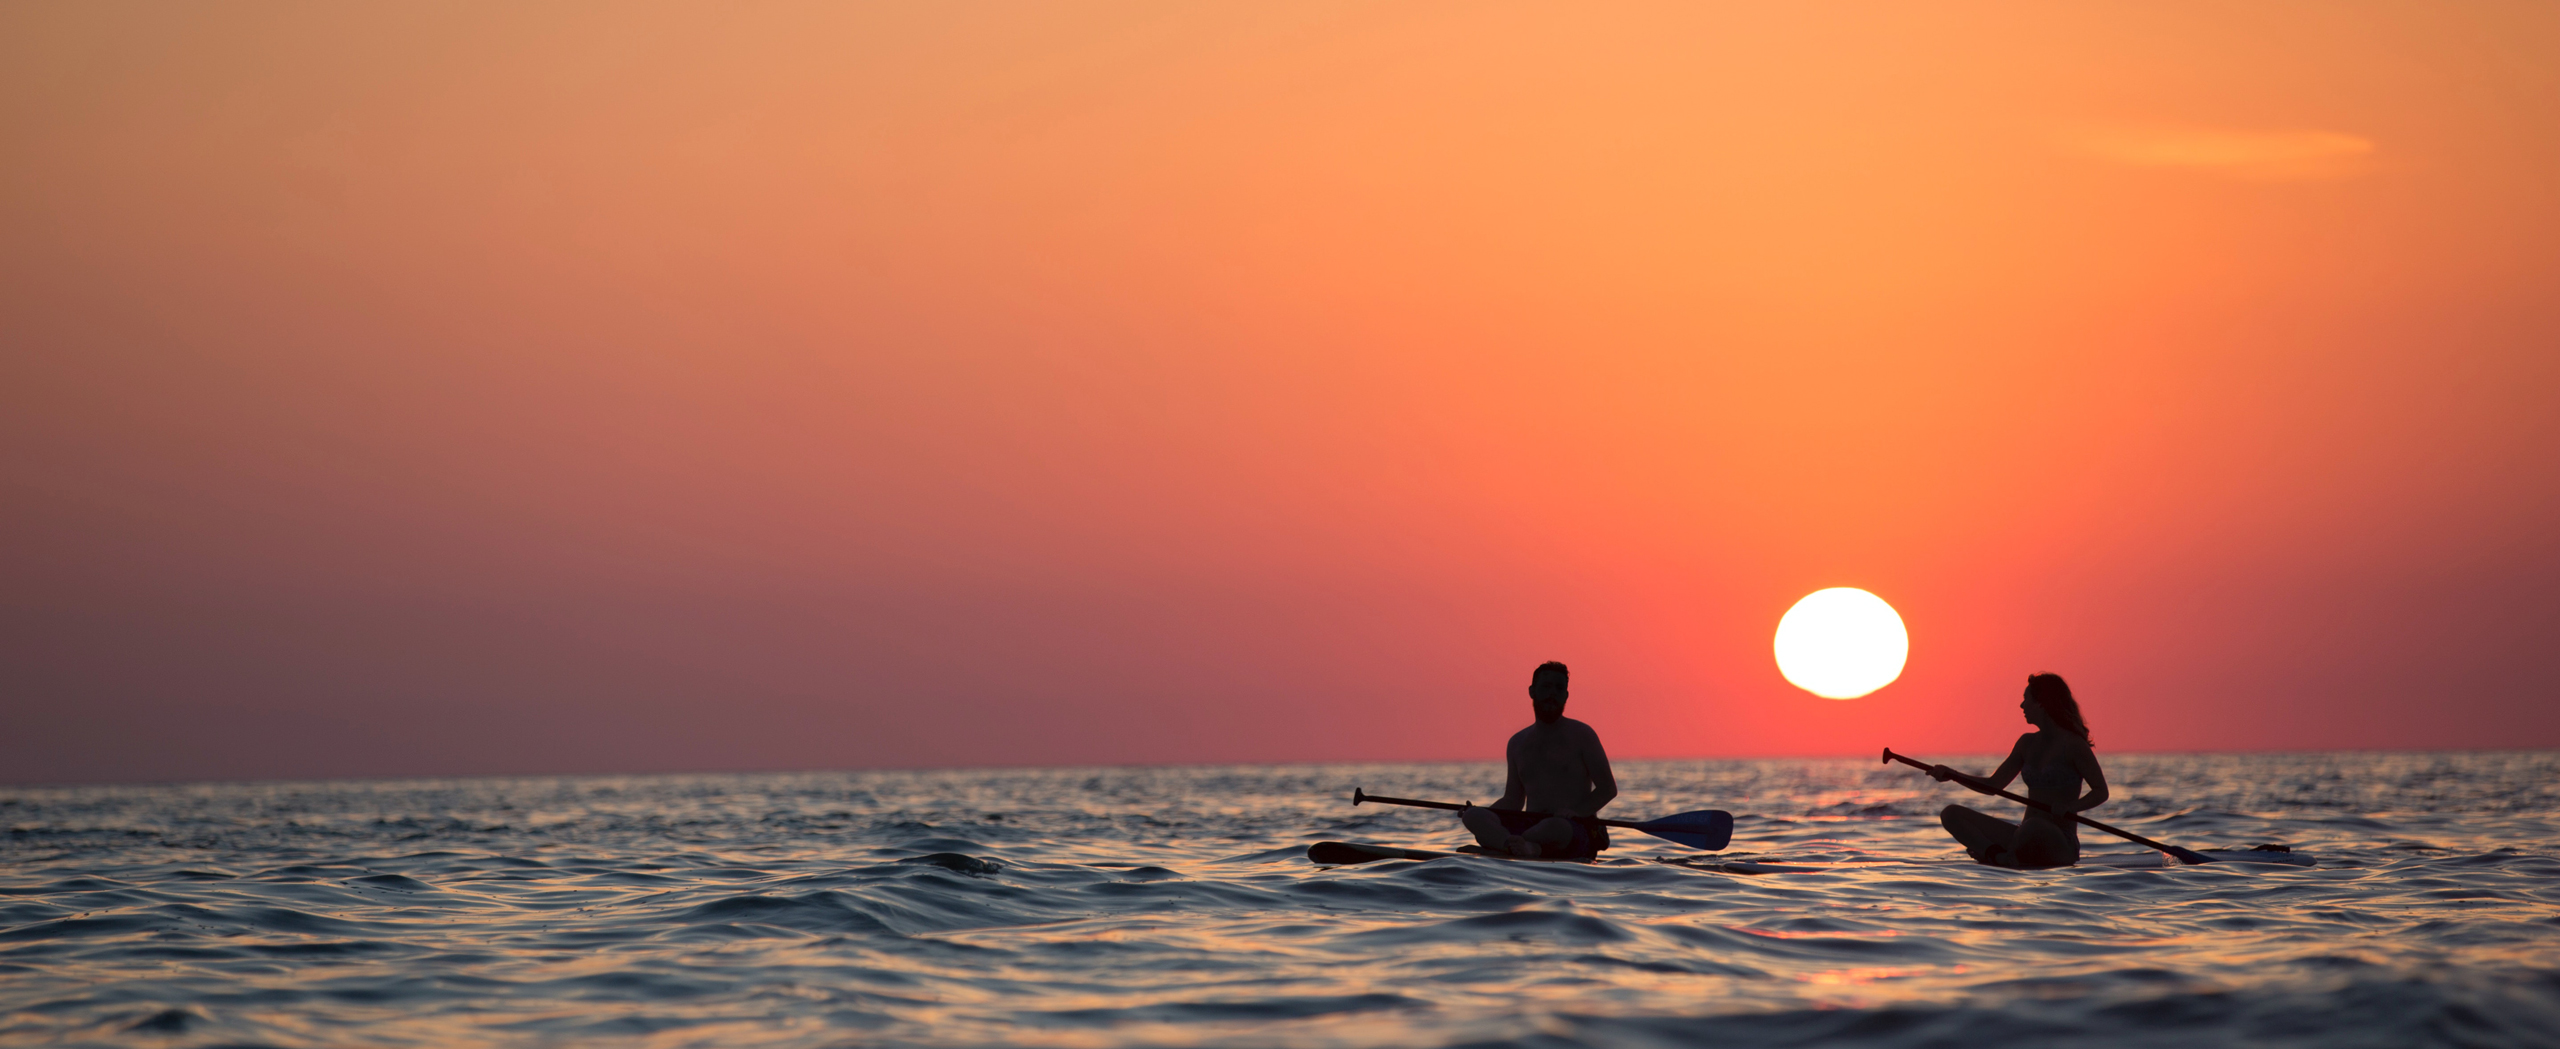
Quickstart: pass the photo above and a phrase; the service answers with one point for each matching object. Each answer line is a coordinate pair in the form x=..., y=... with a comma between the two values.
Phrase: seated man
x=1557, y=768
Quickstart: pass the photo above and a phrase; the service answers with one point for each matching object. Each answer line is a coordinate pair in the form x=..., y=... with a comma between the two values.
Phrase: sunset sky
x=401, y=388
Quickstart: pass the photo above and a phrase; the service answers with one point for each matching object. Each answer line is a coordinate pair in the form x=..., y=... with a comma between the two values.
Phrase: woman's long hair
x=2049, y=692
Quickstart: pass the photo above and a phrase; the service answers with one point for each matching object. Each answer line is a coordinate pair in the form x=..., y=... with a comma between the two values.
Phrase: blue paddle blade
x=1709, y=829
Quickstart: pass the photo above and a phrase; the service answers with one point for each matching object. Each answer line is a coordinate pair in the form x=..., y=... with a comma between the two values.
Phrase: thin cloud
x=2272, y=156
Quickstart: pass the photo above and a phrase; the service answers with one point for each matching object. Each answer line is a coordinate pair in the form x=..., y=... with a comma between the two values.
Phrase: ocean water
x=1174, y=906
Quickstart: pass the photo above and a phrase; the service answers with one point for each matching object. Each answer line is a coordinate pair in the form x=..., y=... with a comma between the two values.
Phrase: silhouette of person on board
x=2056, y=759
x=1557, y=768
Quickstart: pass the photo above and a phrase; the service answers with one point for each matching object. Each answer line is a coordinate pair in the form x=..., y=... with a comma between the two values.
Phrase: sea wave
x=1175, y=906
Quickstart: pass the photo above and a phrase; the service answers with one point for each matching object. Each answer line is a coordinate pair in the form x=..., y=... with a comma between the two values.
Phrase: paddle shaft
x=2127, y=835
x=1357, y=797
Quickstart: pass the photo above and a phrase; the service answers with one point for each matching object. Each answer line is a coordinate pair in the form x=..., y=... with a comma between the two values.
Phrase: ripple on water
x=1174, y=907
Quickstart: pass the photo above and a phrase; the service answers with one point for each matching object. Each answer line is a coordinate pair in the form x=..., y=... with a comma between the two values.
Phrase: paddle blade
x=1709, y=829
x=2186, y=855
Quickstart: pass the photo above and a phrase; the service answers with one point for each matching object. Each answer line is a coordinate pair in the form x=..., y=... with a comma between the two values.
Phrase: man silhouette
x=1556, y=768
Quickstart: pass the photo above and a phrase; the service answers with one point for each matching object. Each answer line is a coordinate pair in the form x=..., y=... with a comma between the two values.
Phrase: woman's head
x=2049, y=692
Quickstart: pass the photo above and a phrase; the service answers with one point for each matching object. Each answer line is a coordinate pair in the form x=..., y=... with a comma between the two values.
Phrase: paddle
x=1707, y=829
x=2183, y=855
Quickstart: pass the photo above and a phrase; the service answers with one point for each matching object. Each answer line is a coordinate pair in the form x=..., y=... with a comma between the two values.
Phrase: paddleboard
x=1345, y=853
x=2162, y=859
x=1758, y=867
x=2102, y=859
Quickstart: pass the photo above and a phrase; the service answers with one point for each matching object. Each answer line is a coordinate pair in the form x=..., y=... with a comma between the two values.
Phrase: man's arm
x=1604, y=784
x=1514, y=793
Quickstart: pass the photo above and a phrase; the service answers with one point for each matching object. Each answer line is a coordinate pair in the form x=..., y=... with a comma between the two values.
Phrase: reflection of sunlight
x=1868, y=803
x=1136, y=935
x=1834, y=977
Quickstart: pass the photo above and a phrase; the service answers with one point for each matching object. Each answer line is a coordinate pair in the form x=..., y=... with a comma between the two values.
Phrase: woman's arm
x=2009, y=769
x=2086, y=761
x=1991, y=784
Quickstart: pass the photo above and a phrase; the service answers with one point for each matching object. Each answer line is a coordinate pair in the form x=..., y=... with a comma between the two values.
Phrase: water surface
x=1173, y=906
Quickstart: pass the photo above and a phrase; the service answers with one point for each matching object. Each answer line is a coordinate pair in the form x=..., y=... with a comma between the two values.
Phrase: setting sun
x=1841, y=643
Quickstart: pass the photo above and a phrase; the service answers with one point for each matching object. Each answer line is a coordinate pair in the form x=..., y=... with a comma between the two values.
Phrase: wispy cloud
x=2273, y=156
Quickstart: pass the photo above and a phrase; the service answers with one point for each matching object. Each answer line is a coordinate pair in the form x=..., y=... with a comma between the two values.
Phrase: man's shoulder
x=1579, y=730
x=1565, y=727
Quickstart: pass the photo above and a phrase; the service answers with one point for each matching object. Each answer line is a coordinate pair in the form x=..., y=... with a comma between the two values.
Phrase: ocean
x=1174, y=906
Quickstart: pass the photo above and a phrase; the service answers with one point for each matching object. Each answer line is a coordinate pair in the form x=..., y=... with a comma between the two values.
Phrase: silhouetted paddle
x=2183, y=855
x=1708, y=829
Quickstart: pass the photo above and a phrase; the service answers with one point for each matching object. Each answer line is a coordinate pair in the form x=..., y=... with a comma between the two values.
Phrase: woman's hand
x=1975, y=784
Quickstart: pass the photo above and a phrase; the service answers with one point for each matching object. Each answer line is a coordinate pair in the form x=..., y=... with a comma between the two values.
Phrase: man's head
x=1547, y=690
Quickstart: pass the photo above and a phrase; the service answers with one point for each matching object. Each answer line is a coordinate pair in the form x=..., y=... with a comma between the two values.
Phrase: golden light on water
x=1841, y=643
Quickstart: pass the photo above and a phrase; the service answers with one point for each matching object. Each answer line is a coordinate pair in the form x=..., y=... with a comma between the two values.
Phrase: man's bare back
x=1556, y=766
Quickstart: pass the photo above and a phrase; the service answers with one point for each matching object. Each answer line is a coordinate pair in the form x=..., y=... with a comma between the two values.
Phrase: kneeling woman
x=2056, y=759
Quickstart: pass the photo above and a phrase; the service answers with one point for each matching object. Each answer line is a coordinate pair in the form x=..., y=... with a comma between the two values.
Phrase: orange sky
x=444, y=388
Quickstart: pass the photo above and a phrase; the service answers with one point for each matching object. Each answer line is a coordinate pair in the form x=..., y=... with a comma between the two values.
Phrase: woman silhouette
x=2056, y=758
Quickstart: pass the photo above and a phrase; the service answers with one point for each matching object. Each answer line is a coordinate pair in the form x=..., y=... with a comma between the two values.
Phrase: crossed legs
x=1550, y=837
x=2033, y=845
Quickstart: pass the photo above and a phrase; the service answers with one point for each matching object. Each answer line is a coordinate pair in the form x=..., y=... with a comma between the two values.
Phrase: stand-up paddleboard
x=2276, y=854
x=1709, y=829
x=1760, y=867
x=1346, y=853
x=2263, y=854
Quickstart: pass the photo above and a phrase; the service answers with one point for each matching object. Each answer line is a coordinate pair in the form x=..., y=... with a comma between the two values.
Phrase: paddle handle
x=2183, y=854
x=1357, y=798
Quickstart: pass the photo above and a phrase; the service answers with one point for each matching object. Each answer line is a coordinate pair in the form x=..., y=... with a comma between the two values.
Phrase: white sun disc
x=1841, y=643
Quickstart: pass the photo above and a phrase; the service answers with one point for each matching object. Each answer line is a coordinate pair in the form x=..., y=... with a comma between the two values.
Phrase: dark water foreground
x=1172, y=907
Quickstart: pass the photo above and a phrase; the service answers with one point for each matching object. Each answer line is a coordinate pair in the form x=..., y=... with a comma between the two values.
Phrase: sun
x=1841, y=643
